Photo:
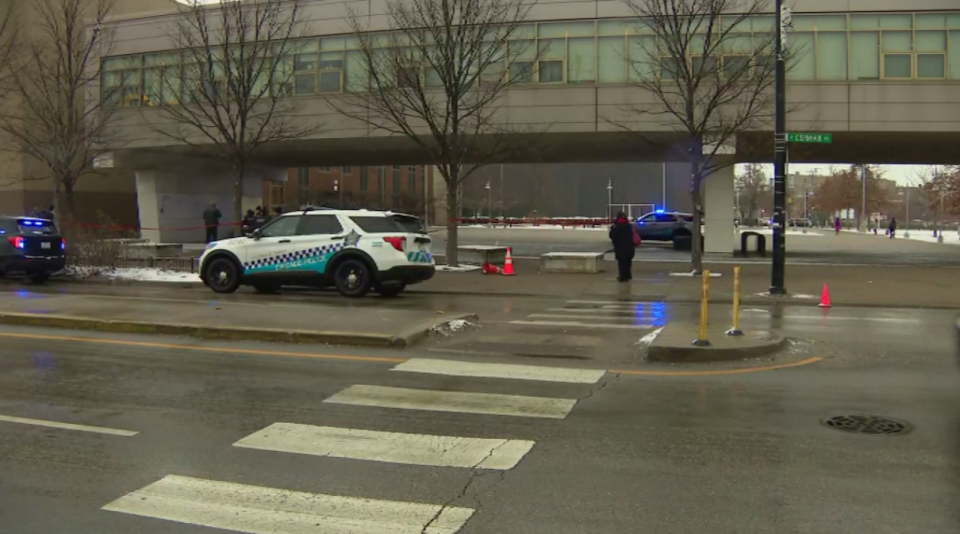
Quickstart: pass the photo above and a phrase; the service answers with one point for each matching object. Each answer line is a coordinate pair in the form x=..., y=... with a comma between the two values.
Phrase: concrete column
x=718, y=200
x=439, y=200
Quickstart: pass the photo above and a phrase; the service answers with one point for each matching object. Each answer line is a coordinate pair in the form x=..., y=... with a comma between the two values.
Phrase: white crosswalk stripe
x=452, y=401
x=261, y=510
x=395, y=447
x=496, y=370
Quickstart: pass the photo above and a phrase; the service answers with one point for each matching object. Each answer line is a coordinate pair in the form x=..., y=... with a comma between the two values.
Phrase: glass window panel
x=581, y=29
x=611, y=66
x=580, y=60
x=643, y=64
x=305, y=84
x=155, y=60
x=763, y=23
x=524, y=31
x=935, y=20
x=551, y=71
x=803, y=23
x=556, y=29
x=931, y=41
x=330, y=81
x=152, y=87
x=954, y=54
x=705, y=67
x=897, y=65
x=736, y=67
x=897, y=41
x=670, y=68
x=931, y=66
x=734, y=23
x=356, y=78
x=864, y=56
x=333, y=43
x=522, y=50
x=832, y=56
x=736, y=44
x=125, y=62
x=864, y=22
x=331, y=60
x=302, y=62
x=831, y=22
x=432, y=79
x=615, y=27
x=953, y=21
x=303, y=46
x=521, y=72
x=111, y=79
x=896, y=22
x=130, y=78
x=130, y=97
x=802, y=64
x=551, y=48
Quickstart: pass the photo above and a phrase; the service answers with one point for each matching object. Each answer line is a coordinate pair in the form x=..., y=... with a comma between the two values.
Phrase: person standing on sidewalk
x=211, y=219
x=892, y=229
x=624, y=238
x=836, y=225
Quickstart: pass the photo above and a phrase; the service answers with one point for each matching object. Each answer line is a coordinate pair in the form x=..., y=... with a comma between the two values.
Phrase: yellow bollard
x=735, y=331
x=701, y=340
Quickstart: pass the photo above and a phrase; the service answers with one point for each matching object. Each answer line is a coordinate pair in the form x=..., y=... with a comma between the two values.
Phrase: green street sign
x=809, y=138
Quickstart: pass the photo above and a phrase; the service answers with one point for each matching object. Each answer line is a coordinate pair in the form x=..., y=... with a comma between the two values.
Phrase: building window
x=276, y=193
x=303, y=186
x=412, y=181
x=382, y=184
x=325, y=170
x=550, y=65
x=364, y=180
x=305, y=67
x=397, y=187
x=346, y=170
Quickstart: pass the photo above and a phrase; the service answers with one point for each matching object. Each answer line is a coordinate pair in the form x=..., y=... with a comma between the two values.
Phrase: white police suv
x=352, y=250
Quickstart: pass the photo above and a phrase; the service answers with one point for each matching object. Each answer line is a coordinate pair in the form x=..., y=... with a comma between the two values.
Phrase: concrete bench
x=480, y=254
x=571, y=262
x=152, y=250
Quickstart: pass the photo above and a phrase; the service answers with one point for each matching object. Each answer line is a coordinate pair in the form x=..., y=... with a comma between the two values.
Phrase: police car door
x=273, y=250
x=319, y=237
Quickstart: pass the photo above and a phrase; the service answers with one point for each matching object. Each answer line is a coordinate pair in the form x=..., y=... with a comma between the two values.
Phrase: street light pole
x=609, y=199
x=489, y=204
x=663, y=199
x=501, y=190
x=906, y=233
x=777, y=285
x=863, y=199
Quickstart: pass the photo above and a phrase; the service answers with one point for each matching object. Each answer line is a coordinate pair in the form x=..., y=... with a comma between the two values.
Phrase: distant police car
x=30, y=246
x=663, y=225
x=352, y=250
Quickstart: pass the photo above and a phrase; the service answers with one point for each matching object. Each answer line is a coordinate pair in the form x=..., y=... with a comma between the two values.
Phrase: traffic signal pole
x=777, y=284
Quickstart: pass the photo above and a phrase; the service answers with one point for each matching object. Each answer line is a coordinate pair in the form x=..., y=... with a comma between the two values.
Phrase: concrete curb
x=405, y=338
x=675, y=344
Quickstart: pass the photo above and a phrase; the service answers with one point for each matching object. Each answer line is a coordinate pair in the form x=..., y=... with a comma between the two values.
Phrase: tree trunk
x=696, y=250
x=453, y=189
x=70, y=206
x=238, y=195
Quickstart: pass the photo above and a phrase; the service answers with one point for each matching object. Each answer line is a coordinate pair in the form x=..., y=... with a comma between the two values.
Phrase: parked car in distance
x=32, y=247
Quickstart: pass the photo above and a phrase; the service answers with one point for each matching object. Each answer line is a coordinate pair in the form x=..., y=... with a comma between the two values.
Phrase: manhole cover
x=873, y=425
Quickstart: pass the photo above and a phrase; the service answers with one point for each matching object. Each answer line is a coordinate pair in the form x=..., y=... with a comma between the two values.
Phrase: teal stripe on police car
x=419, y=257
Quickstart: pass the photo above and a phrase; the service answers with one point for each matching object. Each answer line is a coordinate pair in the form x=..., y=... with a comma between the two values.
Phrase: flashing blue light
x=659, y=212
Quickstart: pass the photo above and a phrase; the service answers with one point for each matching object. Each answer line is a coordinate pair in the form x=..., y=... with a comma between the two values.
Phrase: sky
x=902, y=174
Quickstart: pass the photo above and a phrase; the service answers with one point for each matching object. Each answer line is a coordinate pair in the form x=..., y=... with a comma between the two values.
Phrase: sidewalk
x=886, y=286
x=262, y=321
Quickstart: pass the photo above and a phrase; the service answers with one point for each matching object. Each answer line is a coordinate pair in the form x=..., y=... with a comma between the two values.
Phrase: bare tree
x=753, y=188
x=56, y=71
x=229, y=85
x=435, y=78
x=709, y=67
x=9, y=39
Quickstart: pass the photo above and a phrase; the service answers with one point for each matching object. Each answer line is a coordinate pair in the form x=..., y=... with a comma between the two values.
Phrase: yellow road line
x=808, y=361
x=145, y=344
x=384, y=359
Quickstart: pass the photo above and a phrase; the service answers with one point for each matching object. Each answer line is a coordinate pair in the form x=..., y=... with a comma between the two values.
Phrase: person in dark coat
x=211, y=219
x=892, y=229
x=248, y=225
x=621, y=235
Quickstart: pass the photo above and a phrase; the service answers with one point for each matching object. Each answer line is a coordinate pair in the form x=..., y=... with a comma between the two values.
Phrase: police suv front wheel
x=352, y=278
x=222, y=275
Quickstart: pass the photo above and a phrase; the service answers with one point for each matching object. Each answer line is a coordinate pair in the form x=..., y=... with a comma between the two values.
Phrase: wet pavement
x=640, y=451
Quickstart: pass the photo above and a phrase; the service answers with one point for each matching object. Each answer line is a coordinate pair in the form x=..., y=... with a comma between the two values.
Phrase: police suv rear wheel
x=352, y=278
x=222, y=275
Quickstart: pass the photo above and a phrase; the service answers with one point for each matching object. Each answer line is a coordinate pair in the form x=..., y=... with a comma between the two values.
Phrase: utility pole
x=501, y=190
x=777, y=284
x=863, y=198
x=663, y=200
x=906, y=233
x=489, y=204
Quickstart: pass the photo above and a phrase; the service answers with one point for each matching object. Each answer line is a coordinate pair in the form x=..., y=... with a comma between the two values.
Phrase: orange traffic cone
x=825, y=297
x=508, y=265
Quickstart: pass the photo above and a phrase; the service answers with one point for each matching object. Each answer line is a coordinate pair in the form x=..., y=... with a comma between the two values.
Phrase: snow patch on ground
x=648, y=339
x=458, y=269
x=691, y=274
x=791, y=295
x=450, y=328
x=136, y=274
x=602, y=228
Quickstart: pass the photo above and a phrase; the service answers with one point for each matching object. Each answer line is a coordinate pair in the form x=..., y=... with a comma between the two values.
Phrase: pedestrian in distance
x=625, y=239
x=836, y=225
x=249, y=222
x=892, y=229
x=211, y=220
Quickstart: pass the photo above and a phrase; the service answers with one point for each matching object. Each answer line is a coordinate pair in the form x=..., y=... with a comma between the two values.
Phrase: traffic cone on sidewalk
x=825, y=297
x=508, y=265
x=489, y=268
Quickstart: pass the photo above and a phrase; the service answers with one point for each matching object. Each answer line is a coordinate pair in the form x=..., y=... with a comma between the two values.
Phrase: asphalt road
x=718, y=453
